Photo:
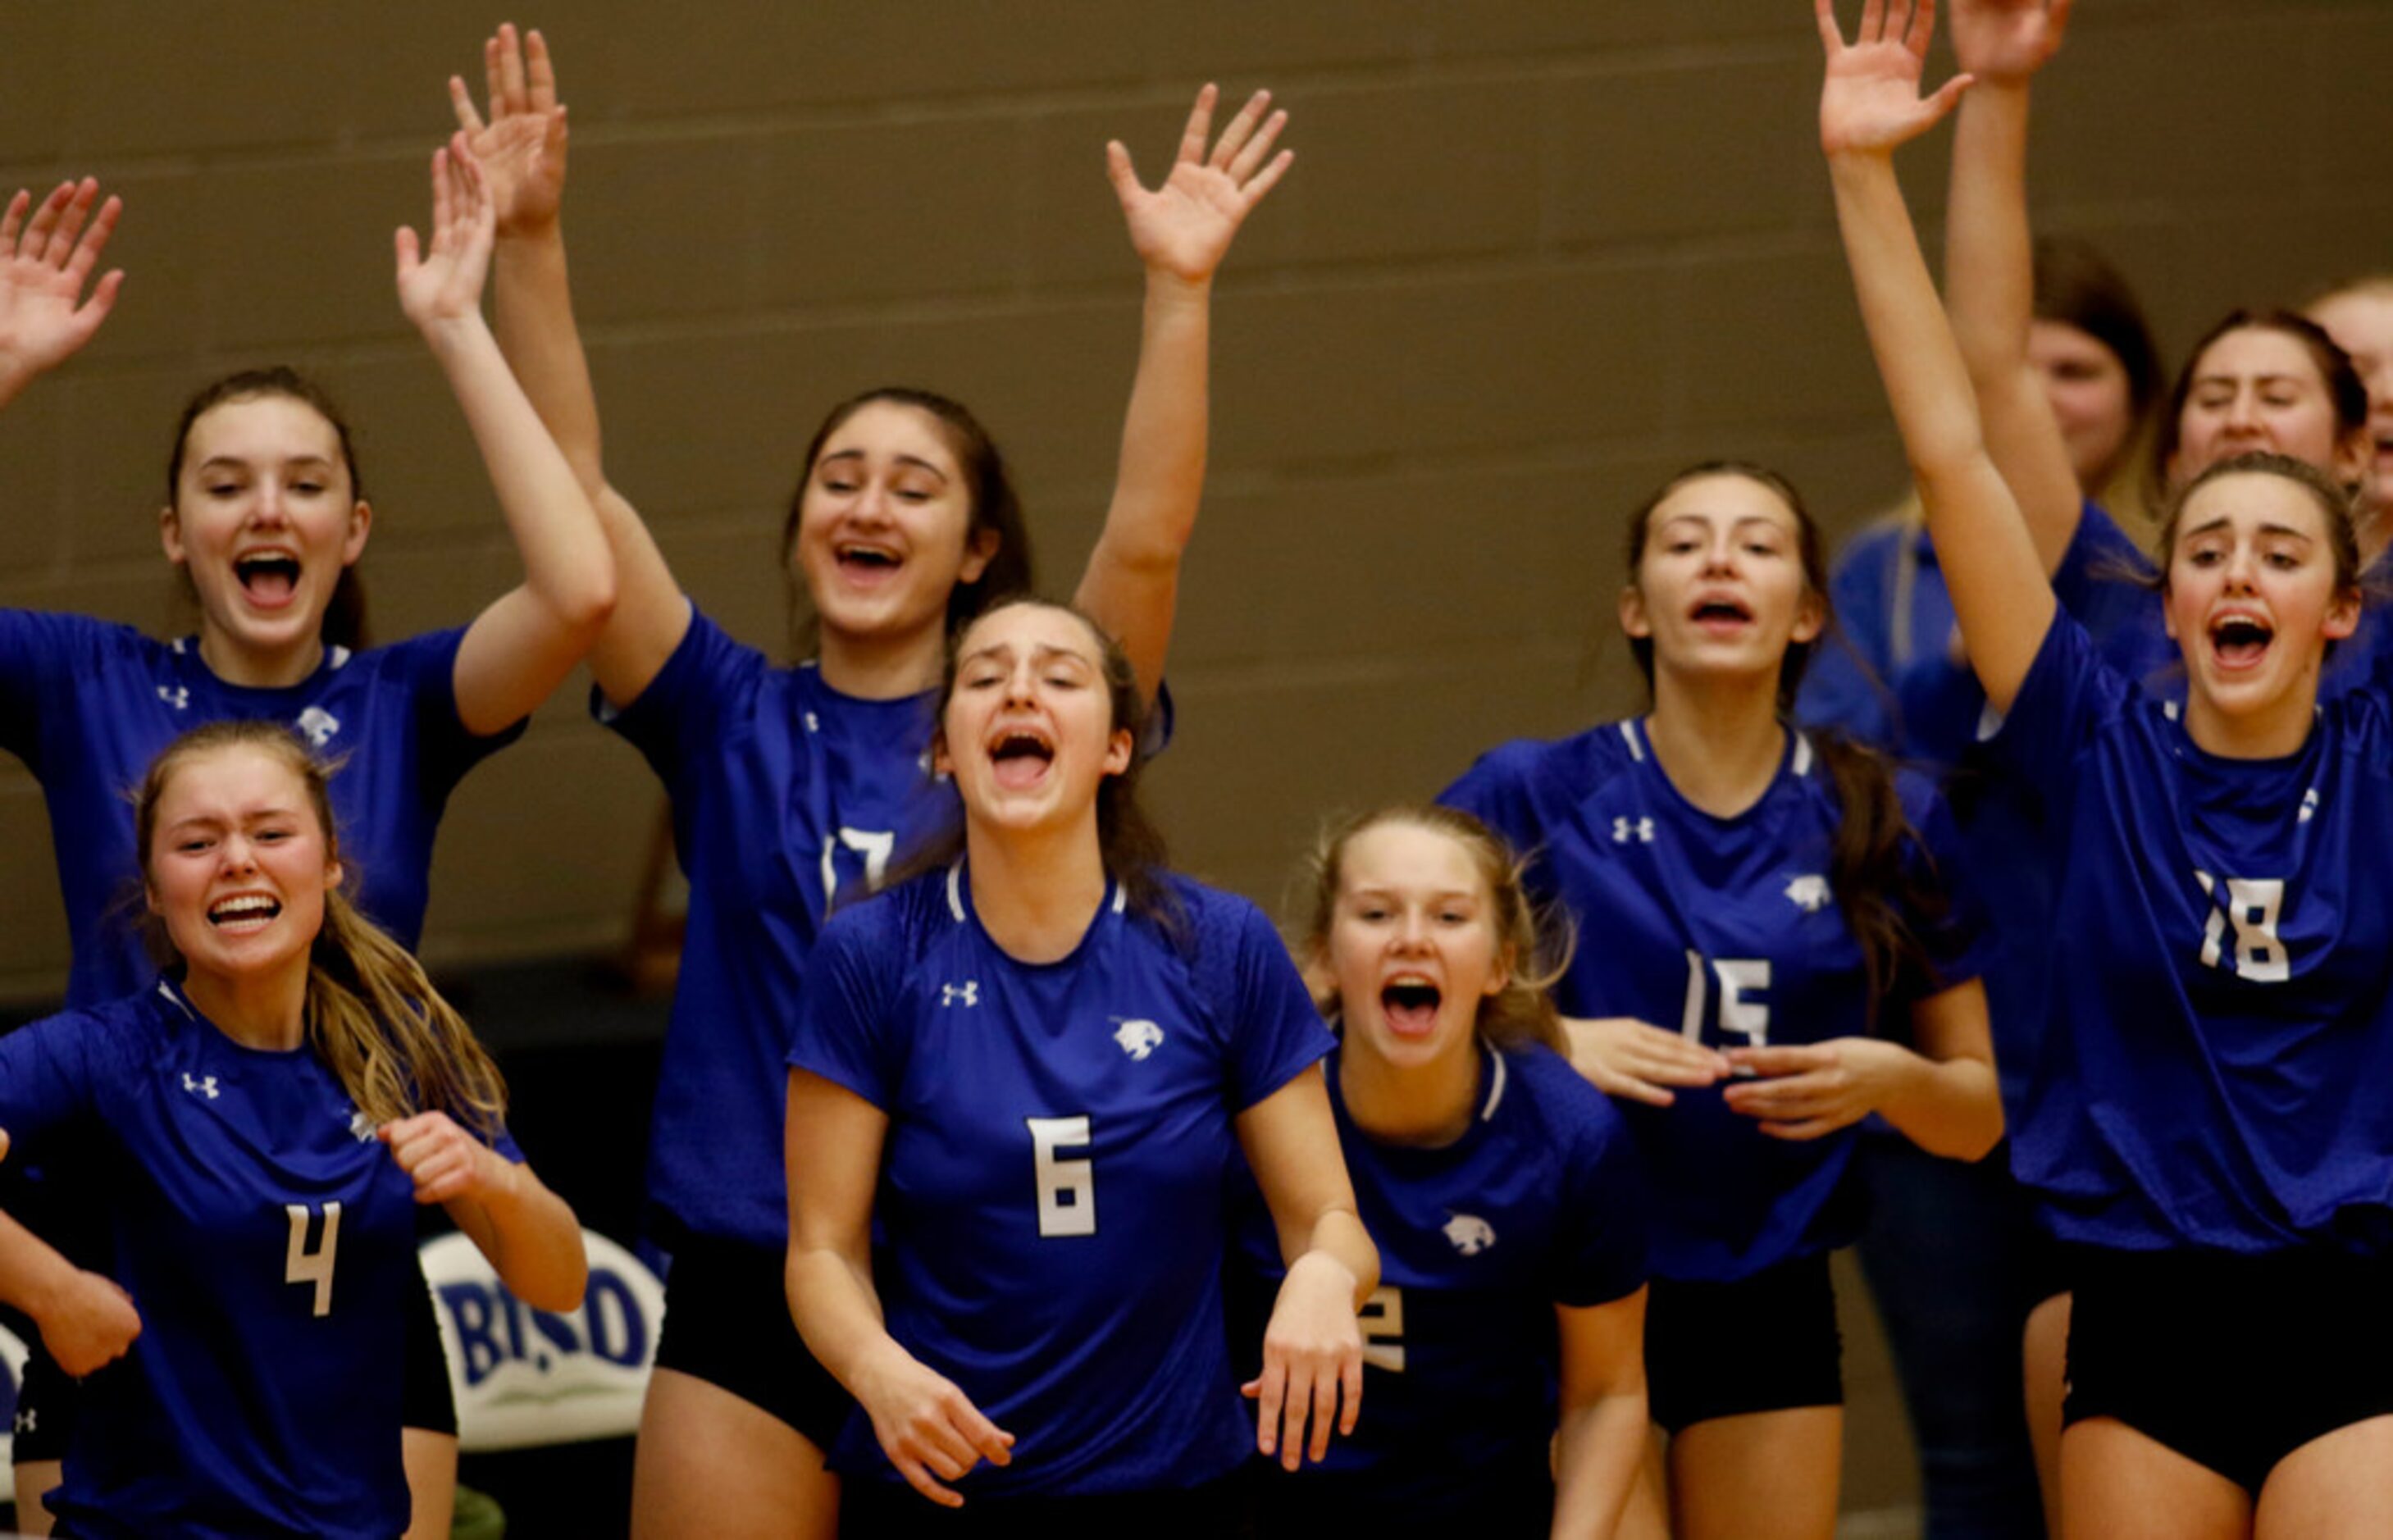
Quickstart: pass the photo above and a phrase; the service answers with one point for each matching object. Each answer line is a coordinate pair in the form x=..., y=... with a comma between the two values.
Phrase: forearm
x=1596, y=1456
x=1338, y=1235
x=1160, y=483
x=565, y=563
x=542, y=344
x=1950, y=1107
x=1989, y=294
x=530, y=1236
x=1993, y=568
x=33, y=1273
x=837, y=1311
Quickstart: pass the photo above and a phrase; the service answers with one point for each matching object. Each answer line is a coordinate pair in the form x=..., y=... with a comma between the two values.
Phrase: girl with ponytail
x=258, y=1125
x=1754, y=905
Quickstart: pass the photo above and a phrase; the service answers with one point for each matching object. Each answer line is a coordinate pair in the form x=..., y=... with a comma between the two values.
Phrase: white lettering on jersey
x=873, y=844
x=1809, y=892
x=1469, y=1233
x=1138, y=1038
x=2255, y=904
x=1382, y=1319
x=318, y=725
x=968, y=992
x=206, y=1085
x=1068, y=1189
x=303, y=1265
x=1739, y=979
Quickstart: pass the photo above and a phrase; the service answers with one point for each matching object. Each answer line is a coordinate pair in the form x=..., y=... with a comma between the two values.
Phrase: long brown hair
x=1875, y=887
x=370, y=1013
x=1535, y=941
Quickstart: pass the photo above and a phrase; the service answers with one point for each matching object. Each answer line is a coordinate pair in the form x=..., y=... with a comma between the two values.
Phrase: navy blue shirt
x=1539, y=1204
x=2224, y=955
x=87, y=705
x=1053, y=1216
x=267, y=1241
x=1726, y=930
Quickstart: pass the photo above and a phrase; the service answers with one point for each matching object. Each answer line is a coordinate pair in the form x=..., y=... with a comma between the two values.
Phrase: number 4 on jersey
x=303, y=1265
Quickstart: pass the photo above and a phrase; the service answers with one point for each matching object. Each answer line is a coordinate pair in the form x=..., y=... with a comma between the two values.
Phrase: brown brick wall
x=1534, y=255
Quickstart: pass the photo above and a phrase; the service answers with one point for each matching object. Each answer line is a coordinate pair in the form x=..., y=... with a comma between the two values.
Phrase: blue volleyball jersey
x=87, y=705
x=1726, y=930
x=267, y=1239
x=2224, y=956
x=1539, y=1204
x=787, y=797
x=1052, y=1214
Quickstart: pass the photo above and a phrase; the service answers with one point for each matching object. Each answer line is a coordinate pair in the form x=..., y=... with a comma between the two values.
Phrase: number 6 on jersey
x=1068, y=1189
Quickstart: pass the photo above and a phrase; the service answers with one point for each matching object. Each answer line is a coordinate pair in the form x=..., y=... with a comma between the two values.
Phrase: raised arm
x=929, y=1430
x=522, y=646
x=1181, y=231
x=522, y=147
x=45, y=317
x=1990, y=259
x=87, y=1321
x=527, y=1231
x=1869, y=104
x=1313, y=1347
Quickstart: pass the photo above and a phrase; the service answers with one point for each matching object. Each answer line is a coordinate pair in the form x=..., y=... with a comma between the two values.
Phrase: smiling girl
x=2203, y=1121
x=1752, y=904
x=266, y=516
x=1029, y=1068
x=795, y=789
x=1505, y=1370
x=256, y=1129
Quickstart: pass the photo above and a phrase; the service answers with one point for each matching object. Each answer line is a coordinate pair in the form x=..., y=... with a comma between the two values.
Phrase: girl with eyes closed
x=1754, y=905
x=2204, y=1125
x=259, y=1126
x=1504, y=1370
x=265, y=516
x=795, y=789
x=1015, y=1090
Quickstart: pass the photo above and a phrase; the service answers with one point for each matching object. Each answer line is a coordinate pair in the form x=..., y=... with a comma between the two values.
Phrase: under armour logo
x=1469, y=1233
x=814, y=723
x=968, y=992
x=2309, y=806
x=1626, y=829
x=1809, y=892
x=177, y=695
x=318, y=725
x=206, y=1085
x=26, y=1420
x=1139, y=1038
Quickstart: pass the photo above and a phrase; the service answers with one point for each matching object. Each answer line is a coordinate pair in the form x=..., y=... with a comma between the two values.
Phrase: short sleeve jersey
x=2223, y=973
x=788, y=798
x=267, y=1240
x=1725, y=930
x=87, y=705
x=1539, y=1204
x=1053, y=1217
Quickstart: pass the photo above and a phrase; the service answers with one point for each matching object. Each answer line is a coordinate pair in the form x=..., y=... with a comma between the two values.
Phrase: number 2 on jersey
x=303, y=1265
x=1068, y=1189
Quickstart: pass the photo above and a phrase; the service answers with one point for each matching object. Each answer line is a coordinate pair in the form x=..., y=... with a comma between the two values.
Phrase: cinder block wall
x=1534, y=255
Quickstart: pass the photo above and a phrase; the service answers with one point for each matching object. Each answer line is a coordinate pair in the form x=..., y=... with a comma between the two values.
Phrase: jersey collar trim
x=1498, y=1077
